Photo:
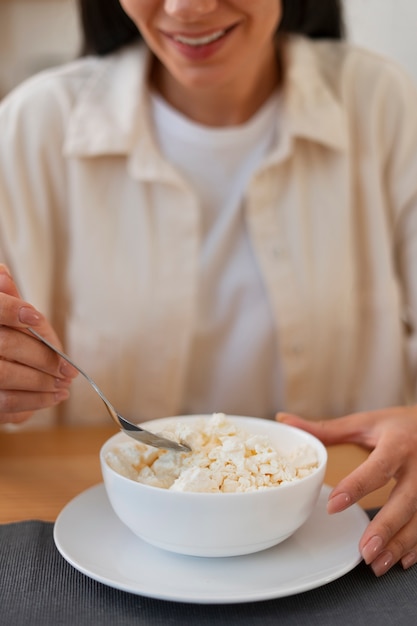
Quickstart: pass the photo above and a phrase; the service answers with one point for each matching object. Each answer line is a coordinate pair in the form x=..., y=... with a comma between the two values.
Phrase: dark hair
x=106, y=27
x=317, y=19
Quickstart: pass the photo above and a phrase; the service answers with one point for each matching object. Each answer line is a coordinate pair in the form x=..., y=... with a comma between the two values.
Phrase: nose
x=189, y=9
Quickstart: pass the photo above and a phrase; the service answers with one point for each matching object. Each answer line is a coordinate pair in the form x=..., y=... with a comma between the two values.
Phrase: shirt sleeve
x=32, y=188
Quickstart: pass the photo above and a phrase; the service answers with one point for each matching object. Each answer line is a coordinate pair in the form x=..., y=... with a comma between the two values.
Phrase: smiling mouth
x=203, y=40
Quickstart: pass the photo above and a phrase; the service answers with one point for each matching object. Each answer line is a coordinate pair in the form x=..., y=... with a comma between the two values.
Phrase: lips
x=201, y=40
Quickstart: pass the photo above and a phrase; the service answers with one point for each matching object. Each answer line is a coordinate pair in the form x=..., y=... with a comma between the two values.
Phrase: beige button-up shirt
x=103, y=237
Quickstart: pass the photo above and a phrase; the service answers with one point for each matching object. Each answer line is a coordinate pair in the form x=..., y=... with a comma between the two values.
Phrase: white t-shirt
x=234, y=349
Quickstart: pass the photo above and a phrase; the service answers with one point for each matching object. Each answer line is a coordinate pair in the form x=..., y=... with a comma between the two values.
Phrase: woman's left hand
x=391, y=435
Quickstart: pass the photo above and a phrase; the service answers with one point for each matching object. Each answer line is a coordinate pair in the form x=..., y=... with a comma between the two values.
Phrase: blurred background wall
x=385, y=26
x=35, y=34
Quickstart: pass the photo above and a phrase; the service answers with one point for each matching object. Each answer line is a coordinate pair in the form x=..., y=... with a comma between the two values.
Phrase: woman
x=221, y=218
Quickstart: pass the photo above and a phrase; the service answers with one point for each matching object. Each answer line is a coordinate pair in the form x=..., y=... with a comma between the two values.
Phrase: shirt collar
x=111, y=114
x=111, y=108
x=314, y=109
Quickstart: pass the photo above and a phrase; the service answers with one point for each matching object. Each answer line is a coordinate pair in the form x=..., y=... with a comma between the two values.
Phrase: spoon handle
x=109, y=406
x=134, y=431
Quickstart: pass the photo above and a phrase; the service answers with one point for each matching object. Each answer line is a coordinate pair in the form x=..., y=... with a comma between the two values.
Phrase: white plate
x=92, y=539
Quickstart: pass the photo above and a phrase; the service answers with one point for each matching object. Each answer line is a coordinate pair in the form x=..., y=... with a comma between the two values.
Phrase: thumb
x=15, y=312
x=19, y=314
x=7, y=284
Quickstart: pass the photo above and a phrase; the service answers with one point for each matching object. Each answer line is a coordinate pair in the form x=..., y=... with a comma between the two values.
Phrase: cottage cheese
x=224, y=458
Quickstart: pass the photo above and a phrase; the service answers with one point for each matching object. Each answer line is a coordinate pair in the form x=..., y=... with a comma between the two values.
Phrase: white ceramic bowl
x=217, y=524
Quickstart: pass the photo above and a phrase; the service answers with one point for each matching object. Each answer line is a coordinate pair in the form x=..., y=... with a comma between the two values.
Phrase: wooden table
x=42, y=470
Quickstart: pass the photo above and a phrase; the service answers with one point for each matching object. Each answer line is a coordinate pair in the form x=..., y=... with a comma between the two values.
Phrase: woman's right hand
x=32, y=376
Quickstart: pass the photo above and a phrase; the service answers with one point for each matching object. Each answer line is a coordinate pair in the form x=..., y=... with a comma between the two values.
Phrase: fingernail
x=62, y=383
x=5, y=270
x=283, y=417
x=339, y=503
x=67, y=370
x=371, y=549
x=62, y=394
x=27, y=315
x=408, y=560
x=382, y=564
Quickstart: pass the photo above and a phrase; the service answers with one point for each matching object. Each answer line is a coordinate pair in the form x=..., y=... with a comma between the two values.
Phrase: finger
x=15, y=418
x=399, y=549
x=333, y=431
x=19, y=346
x=22, y=348
x=20, y=405
x=18, y=377
x=7, y=284
x=376, y=471
x=410, y=558
x=400, y=508
x=17, y=313
x=391, y=536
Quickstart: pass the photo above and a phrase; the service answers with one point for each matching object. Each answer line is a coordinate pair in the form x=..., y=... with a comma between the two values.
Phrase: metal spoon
x=130, y=429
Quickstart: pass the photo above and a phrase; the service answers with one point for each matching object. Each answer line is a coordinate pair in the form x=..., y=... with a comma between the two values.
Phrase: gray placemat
x=39, y=588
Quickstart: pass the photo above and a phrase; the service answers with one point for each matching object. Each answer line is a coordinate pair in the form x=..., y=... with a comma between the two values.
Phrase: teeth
x=199, y=41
